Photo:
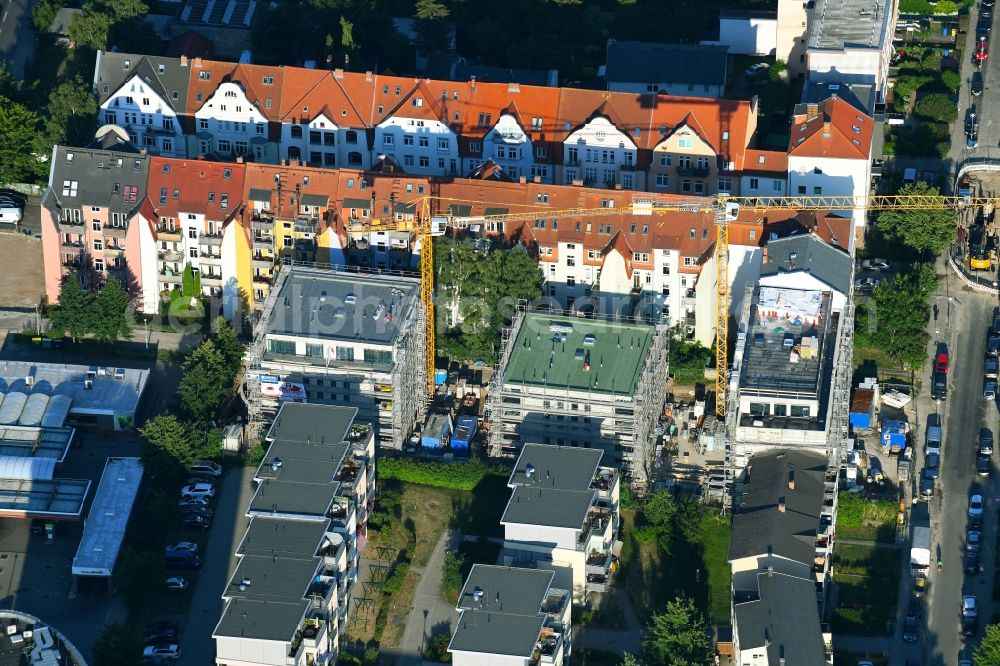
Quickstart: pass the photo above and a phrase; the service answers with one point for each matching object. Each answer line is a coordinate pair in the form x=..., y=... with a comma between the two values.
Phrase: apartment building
x=510, y=616
x=563, y=515
x=783, y=537
x=93, y=224
x=288, y=598
x=344, y=338
x=849, y=42
x=829, y=154
x=589, y=382
x=426, y=127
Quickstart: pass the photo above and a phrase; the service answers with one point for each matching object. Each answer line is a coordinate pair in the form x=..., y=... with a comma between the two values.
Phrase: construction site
x=594, y=383
x=345, y=337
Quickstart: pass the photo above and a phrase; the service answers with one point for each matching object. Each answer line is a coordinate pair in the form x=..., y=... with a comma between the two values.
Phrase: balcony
x=262, y=242
x=548, y=649
x=210, y=239
x=693, y=172
x=166, y=233
x=170, y=255
x=595, y=530
x=262, y=261
x=114, y=250
x=211, y=280
x=630, y=168
x=599, y=562
x=71, y=245
x=262, y=224
x=604, y=482
x=342, y=513
x=597, y=583
x=309, y=641
x=261, y=279
x=210, y=258
x=70, y=224
x=114, y=232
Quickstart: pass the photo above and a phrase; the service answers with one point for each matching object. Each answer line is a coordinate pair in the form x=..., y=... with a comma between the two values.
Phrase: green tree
x=190, y=283
x=124, y=10
x=431, y=27
x=168, y=435
x=18, y=143
x=347, y=34
x=924, y=231
x=937, y=106
x=951, y=80
x=660, y=509
x=452, y=576
x=988, y=652
x=206, y=382
x=89, y=28
x=44, y=14
x=629, y=660
x=895, y=320
x=71, y=314
x=687, y=521
x=225, y=339
x=118, y=644
x=72, y=112
x=138, y=576
x=111, y=314
x=678, y=636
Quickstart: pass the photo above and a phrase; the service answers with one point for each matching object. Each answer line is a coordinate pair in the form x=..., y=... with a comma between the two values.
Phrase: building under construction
x=595, y=383
x=341, y=337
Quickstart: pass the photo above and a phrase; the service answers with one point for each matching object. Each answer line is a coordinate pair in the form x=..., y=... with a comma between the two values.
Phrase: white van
x=9, y=214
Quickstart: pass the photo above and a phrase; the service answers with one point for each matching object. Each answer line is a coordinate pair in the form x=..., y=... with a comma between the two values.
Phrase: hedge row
x=454, y=475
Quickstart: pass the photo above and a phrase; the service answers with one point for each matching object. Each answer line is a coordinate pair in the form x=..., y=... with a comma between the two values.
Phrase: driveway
x=218, y=564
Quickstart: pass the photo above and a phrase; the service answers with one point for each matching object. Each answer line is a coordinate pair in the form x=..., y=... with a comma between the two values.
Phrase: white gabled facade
x=509, y=146
x=149, y=119
x=230, y=125
x=323, y=143
x=422, y=147
x=601, y=155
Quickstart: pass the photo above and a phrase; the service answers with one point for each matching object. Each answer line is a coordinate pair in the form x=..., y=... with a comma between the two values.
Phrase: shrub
x=454, y=475
x=937, y=106
x=452, y=576
x=951, y=80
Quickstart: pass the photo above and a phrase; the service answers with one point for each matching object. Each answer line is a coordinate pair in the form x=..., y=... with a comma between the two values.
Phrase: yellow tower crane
x=725, y=208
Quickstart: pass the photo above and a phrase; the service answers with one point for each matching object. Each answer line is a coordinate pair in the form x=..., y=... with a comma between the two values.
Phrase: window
x=205, y=76
x=176, y=194
x=167, y=144
x=759, y=408
x=689, y=261
x=281, y=346
x=780, y=410
x=378, y=356
x=345, y=353
x=223, y=201
x=484, y=120
x=425, y=161
x=98, y=245
x=70, y=187
x=96, y=225
x=130, y=194
x=351, y=136
x=408, y=160
x=662, y=180
x=424, y=142
x=817, y=190
x=725, y=185
x=388, y=140
x=268, y=80
x=315, y=137
x=640, y=256
x=296, y=132
x=778, y=185
x=314, y=351
x=99, y=265
x=800, y=411
x=540, y=151
x=802, y=189
x=685, y=185
x=475, y=146
x=163, y=195
x=754, y=183
x=442, y=144
x=685, y=143
x=109, y=118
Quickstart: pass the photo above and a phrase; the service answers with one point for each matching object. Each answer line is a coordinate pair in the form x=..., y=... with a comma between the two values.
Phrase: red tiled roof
x=194, y=181
x=766, y=162
x=833, y=128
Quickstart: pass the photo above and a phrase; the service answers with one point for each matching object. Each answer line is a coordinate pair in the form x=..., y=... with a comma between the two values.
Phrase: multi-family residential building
x=345, y=338
x=92, y=222
x=692, y=70
x=511, y=617
x=563, y=515
x=589, y=382
x=288, y=598
x=425, y=127
x=783, y=537
x=829, y=154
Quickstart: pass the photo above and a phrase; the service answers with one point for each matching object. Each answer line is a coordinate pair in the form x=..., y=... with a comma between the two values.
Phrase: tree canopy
x=137, y=577
x=937, y=106
x=167, y=434
x=71, y=314
x=89, y=28
x=477, y=291
x=207, y=382
x=118, y=644
x=678, y=636
x=988, y=652
x=895, y=319
x=924, y=231
x=111, y=314
x=72, y=109
x=18, y=143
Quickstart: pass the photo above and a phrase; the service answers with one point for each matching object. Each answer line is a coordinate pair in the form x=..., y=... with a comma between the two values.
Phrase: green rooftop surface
x=609, y=361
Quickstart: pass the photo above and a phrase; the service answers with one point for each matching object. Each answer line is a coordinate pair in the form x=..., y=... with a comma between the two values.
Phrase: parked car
x=926, y=486
x=866, y=283
x=973, y=541
x=181, y=560
x=165, y=652
x=985, y=441
x=970, y=625
x=986, y=13
x=932, y=465
x=989, y=389
x=756, y=69
x=183, y=547
x=942, y=358
x=982, y=52
x=163, y=631
x=972, y=562
x=976, y=508
x=875, y=265
x=915, y=608
x=991, y=366
x=977, y=82
x=910, y=630
x=993, y=345
x=939, y=386
x=205, y=490
x=970, y=606
x=176, y=583
x=186, y=502
x=972, y=137
x=195, y=522
x=920, y=587
x=984, y=465
x=206, y=468
x=204, y=511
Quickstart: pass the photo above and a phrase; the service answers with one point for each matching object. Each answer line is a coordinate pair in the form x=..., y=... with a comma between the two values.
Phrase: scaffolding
x=624, y=424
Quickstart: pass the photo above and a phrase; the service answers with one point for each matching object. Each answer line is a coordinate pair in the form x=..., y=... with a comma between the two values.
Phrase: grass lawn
x=412, y=532
x=699, y=570
x=862, y=575
x=876, y=356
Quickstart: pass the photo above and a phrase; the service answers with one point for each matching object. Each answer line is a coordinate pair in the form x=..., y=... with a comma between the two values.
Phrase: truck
x=920, y=541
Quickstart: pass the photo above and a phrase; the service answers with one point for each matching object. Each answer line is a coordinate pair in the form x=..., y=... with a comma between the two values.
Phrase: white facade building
x=230, y=125
x=600, y=154
x=422, y=146
x=149, y=119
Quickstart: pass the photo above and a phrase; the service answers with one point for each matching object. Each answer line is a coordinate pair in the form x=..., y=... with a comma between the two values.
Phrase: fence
x=974, y=280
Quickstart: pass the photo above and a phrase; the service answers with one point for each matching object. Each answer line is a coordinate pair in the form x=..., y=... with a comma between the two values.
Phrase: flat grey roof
x=561, y=467
x=309, y=442
x=777, y=314
x=338, y=305
x=497, y=633
x=759, y=527
x=859, y=95
x=505, y=589
x=108, y=395
x=784, y=619
x=57, y=498
x=834, y=24
x=552, y=507
x=283, y=536
x=654, y=62
x=108, y=517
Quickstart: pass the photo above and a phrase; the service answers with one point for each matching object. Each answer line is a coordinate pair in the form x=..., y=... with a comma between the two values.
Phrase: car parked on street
x=973, y=541
x=926, y=486
x=977, y=82
x=976, y=509
x=165, y=652
x=972, y=562
x=970, y=625
x=206, y=468
x=204, y=511
x=939, y=386
x=183, y=547
x=991, y=366
x=910, y=630
x=942, y=359
x=970, y=606
x=195, y=522
x=186, y=502
x=876, y=264
x=984, y=465
x=866, y=283
x=205, y=490
x=163, y=631
x=993, y=344
x=920, y=587
x=932, y=465
x=989, y=389
x=985, y=441
x=176, y=583
x=915, y=608
x=982, y=52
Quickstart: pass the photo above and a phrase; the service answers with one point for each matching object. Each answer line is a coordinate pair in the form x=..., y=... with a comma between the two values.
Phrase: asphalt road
x=962, y=323
x=17, y=38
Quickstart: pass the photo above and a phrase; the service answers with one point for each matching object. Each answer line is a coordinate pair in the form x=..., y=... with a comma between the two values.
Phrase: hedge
x=454, y=475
